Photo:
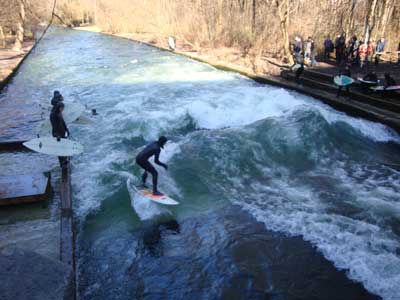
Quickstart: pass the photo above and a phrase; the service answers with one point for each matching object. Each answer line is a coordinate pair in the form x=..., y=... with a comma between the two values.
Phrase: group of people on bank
x=61, y=131
x=354, y=51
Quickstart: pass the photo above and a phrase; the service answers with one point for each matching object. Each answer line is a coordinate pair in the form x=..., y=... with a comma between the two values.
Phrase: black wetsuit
x=389, y=81
x=142, y=159
x=371, y=77
x=56, y=99
x=59, y=130
x=366, y=85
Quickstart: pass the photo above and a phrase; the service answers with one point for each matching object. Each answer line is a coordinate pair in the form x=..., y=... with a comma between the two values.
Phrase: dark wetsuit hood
x=162, y=141
x=57, y=97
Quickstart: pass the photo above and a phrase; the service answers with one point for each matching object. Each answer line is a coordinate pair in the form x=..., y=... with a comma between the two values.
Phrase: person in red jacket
x=364, y=52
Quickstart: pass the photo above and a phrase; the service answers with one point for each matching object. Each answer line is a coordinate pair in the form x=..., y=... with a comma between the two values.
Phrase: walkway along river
x=262, y=174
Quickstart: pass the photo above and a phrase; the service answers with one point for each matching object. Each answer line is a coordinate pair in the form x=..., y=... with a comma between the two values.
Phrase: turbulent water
x=296, y=165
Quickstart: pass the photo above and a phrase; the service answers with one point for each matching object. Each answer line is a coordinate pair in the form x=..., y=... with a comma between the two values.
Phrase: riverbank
x=264, y=70
x=10, y=60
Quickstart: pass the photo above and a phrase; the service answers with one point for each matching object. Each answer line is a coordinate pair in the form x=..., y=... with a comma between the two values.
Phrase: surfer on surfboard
x=142, y=159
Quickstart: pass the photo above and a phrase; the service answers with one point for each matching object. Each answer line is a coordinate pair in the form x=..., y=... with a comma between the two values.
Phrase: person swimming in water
x=142, y=159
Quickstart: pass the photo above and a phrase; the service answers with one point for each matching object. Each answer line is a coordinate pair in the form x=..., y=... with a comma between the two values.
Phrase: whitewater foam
x=156, y=95
x=143, y=207
x=359, y=244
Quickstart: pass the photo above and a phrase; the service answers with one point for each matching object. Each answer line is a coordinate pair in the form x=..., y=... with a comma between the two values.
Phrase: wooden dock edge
x=67, y=230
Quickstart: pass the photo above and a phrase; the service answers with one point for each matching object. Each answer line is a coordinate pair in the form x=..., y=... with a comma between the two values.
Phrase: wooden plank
x=12, y=145
x=24, y=189
x=67, y=232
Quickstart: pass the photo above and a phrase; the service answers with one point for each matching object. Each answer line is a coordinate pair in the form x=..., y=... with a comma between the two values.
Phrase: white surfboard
x=389, y=88
x=148, y=194
x=366, y=81
x=72, y=111
x=50, y=146
x=343, y=80
x=83, y=120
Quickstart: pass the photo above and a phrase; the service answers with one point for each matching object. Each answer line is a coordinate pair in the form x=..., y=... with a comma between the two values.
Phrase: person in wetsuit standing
x=59, y=128
x=142, y=159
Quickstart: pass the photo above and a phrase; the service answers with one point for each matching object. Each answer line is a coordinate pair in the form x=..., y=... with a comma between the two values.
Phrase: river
x=281, y=196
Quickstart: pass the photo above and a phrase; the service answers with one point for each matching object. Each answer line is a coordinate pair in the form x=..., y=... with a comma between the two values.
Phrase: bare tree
x=283, y=7
x=350, y=22
x=19, y=39
x=370, y=20
x=2, y=38
x=247, y=25
x=254, y=14
x=387, y=10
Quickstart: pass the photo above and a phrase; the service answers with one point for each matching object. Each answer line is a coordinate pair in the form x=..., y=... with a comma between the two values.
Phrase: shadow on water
x=225, y=254
x=153, y=236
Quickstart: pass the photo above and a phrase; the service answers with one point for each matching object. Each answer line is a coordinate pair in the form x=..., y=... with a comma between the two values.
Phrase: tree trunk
x=241, y=5
x=19, y=39
x=2, y=38
x=253, y=24
x=283, y=7
x=387, y=12
x=369, y=21
x=350, y=23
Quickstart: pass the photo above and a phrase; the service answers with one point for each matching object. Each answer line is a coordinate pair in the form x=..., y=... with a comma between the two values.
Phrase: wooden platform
x=12, y=145
x=24, y=189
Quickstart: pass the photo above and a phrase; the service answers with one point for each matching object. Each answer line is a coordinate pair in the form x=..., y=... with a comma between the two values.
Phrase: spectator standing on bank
x=345, y=72
x=328, y=44
x=298, y=66
x=309, y=52
x=370, y=50
x=297, y=46
x=308, y=49
x=356, y=52
x=364, y=52
x=350, y=52
x=380, y=46
x=340, y=44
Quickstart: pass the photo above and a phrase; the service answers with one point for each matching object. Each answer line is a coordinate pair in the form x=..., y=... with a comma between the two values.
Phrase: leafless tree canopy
x=256, y=25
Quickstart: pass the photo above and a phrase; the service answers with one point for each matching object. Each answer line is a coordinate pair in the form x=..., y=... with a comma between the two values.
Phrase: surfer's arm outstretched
x=157, y=160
